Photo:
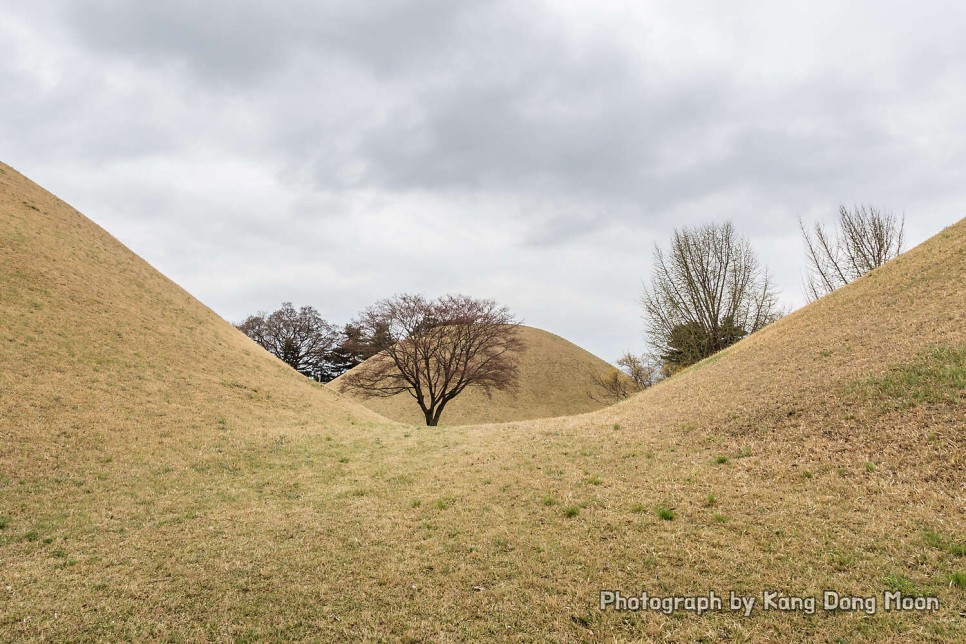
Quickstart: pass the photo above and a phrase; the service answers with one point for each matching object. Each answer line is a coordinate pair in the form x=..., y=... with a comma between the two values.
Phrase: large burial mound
x=99, y=351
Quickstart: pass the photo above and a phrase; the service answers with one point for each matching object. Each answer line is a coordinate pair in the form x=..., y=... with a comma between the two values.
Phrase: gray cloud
x=335, y=152
x=241, y=43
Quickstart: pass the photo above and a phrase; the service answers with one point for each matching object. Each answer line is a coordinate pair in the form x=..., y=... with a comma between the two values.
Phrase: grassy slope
x=556, y=379
x=143, y=516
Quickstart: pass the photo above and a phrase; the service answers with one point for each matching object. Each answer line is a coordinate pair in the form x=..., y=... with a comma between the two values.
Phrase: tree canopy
x=299, y=337
x=434, y=349
x=707, y=291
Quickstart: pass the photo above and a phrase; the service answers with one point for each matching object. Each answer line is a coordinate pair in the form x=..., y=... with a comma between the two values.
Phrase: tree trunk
x=431, y=419
x=439, y=412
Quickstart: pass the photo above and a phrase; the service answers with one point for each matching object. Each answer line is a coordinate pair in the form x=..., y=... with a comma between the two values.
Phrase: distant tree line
x=308, y=343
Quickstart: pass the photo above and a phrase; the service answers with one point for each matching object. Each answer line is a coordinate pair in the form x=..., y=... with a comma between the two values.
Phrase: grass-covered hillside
x=557, y=378
x=101, y=353
x=163, y=478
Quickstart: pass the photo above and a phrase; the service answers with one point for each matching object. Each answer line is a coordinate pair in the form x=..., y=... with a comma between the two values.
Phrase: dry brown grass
x=556, y=379
x=99, y=349
x=129, y=511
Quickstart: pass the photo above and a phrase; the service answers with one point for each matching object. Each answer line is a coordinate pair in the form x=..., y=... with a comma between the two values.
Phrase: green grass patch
x=900, y=584
x=936, y=540
x=842, y=561
x=936, y=376
x=666, y=514
x=571, y=511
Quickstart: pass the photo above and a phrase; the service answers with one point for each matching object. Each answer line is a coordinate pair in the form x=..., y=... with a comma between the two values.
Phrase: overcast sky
x=334, y=153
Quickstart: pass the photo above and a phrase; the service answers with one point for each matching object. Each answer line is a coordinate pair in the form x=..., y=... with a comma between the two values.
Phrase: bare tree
x=436, y=349
x=301, y=338
x=635, y=375
x=864, y=238
x=707, y=291
x=611, y=386
x=639, y=369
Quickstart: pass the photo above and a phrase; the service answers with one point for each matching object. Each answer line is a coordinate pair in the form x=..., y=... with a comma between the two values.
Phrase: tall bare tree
x=301, y=338
x=862, y=239
x=707, y=291
x=436, y=349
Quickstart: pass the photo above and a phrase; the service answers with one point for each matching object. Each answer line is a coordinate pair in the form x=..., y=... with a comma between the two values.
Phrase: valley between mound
x=161, y=477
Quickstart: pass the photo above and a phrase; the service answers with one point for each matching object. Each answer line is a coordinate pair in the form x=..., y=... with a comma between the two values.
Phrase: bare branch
x=863, y=239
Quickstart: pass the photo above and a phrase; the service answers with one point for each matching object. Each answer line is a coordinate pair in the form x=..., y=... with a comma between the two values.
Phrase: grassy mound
x=101, y=353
